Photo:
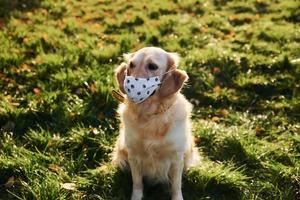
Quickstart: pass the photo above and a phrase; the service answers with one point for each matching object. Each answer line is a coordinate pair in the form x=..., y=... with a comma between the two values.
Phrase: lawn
x=58, y=119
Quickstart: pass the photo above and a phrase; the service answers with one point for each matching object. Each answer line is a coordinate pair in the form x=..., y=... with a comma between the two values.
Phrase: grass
x=57, y=116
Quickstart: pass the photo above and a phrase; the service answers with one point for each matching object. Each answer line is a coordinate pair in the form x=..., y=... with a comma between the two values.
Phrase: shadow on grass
x=59, y=119
x=113, y=183
x=251, y=96
x=8, y=6
x=211, y=189
x=107, y=182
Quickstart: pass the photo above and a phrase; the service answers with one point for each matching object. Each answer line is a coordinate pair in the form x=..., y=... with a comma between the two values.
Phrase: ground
x=58, y=119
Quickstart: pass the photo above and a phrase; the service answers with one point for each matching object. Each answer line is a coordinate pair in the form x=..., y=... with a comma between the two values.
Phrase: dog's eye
x=152, y=66
x=131, y=65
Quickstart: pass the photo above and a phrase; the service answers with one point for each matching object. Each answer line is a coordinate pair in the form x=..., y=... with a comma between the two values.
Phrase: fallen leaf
x=197, y=141
x=215, y=119
x=2, y=23
x=54, y=168
x=204, y=30
x=45, y=37
x=217, y=89
x=80, y=45
x=231, y=34
x=100, y=45
x=68, y=186
x=16, y=22
x=2, y=75
x=216, y=70
x=37, y=61
x=93, y=88
x=10, y=182
x=8, y=98
x=235, y=98
x=44, y=11
x=95, y=131
x=25, y=68
x=29, y=14
x=104, y=169
x=258, y=131
x=95, y=26
x=37, y=91
x=232, y=18
x=26, y=40
x=223, y=112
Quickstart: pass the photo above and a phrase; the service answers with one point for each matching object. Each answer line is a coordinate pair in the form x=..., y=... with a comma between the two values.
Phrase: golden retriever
x=155, y=138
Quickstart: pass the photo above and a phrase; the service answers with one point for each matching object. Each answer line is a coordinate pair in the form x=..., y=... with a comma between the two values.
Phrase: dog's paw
x=177, y=196
x=137, y=194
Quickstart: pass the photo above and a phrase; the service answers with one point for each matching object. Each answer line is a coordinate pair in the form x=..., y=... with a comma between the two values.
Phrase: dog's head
x=153, y=61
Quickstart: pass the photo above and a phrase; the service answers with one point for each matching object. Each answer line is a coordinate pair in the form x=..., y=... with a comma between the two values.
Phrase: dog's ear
x=127, y=56
x=172, y=83
x=173, y=60
x=120, y=75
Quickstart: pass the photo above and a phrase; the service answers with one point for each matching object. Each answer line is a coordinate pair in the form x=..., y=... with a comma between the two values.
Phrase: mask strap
x=168, y=72
x=163, y=78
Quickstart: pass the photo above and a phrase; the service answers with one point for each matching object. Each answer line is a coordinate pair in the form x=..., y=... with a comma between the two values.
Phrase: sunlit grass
x=57, y=117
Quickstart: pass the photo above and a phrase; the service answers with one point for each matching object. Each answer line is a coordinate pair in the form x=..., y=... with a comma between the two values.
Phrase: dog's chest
x=159, y=150
x=160, y=147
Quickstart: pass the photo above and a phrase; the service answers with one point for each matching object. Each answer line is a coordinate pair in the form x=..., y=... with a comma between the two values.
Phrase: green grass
x=57, y=117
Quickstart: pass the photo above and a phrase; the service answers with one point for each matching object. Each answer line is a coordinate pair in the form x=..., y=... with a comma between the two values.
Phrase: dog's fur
x=155, y=135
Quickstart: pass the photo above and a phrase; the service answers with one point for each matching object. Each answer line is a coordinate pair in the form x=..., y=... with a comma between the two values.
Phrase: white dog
x=155, y=132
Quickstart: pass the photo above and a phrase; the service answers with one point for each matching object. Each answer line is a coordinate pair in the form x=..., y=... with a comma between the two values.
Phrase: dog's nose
x=139, y=73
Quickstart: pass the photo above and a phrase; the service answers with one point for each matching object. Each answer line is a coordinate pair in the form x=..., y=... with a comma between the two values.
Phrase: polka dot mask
x=139, y=89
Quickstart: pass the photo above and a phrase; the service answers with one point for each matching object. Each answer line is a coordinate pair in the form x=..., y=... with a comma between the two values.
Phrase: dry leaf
x=16, y=22
x=93, y=88
x=258, y=131
x=104, y=169
x=26, y=40
x=37, y=91
x=2, y=23
x=232, y=18
x=100, y=45
x=10, y=182
x=44, y=11
x=216, y=70
x=80, y=45
x=217, y=89
x=95, y=131
x=29, y=14
x=54, y=168
x=197, y=140
x=95, y=26
x=223, y=112
x=2, y=75
x=204, y=30
x=37, y=61
x=45, y=37
x=215, y=119
x=68, y=186
x=24, y=68
x=231, y=34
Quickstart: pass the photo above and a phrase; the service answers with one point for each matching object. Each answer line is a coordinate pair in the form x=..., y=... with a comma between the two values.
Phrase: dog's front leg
x=176, y=177
x=137, y=179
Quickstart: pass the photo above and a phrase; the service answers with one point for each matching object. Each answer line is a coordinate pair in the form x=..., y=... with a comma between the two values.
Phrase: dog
x=155, y=139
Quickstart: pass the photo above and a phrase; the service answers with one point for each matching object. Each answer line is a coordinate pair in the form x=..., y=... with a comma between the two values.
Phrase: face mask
x=139, y=89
